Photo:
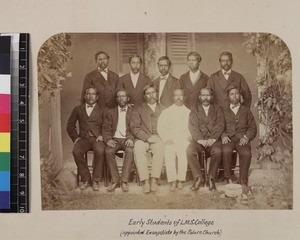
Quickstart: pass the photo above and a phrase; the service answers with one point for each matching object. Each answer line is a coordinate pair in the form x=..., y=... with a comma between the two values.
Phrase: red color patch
x=4, y=122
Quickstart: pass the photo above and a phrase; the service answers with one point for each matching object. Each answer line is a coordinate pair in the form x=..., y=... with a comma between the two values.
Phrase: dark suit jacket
x=206, y=127
x=140, y=123
x=243, y=123
x=110, y=124
x=93, y=122
x=106, y=88
x=136, y=93
x=219, y=85
x=171, y=84
x=192, y=92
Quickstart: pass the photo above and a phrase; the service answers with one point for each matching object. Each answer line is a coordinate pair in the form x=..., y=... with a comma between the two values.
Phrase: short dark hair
x=208, y=89
x=89, y=87
x=231, y=87
x=149, y=86
x=164, y=58
x=137, y=56
x=101, y=52
x=123, y=90
x=226, y=53
x=197, y=55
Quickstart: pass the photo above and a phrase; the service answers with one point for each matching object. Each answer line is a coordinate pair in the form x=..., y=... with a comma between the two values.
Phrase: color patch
x=4, y=103
x=4, y=142
x=4, y=123
x=4, y=199
x=4, y=63
x=4, y=161
x=5, y=84
x=4, y=181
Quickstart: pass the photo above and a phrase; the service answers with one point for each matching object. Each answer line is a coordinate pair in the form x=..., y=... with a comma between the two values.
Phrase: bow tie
x=103, y=70
x=123, y=110
x=227, y=73
x=90, y=106
x=163, y=78
x=235, y=106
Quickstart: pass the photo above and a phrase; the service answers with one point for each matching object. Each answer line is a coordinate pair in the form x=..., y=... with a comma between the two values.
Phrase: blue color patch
x=4, y=181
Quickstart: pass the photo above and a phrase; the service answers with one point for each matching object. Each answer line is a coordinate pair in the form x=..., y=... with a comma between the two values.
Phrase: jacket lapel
x=115, y=115
x=145, y=115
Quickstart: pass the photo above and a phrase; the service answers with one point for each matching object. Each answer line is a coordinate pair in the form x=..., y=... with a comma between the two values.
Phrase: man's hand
x=111, y=143
x=129, y=143
x=152, y=139
x=202, y=142
x=210, y=142
x=99, y=139
x=243, y=141
x=169, y=142
x=225, y=140
x=77, y=139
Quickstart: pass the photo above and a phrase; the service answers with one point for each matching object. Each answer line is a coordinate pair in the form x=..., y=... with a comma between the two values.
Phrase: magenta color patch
x=4, y=103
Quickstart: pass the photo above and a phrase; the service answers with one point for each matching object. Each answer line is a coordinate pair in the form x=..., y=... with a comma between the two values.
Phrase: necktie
x=90, y=106
x=226, y=73
x=103, y=70
x=163, y=78
x=123, y=109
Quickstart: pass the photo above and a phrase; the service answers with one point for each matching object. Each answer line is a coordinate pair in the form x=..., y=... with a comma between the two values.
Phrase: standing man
x=135, y=81
x=89, y=117
x=206, y=125
x=166, y=83
x=117, y=136
x=173, y=130
x=219, y=83
x=222, y=79
x=192, y=81
x=104, y=80
x=143, y=126
x=240, y=129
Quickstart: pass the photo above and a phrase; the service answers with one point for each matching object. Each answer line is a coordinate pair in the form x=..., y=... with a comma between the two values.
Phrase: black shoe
x=245, y=188
x=212, y=185
x=221, y=177
x=113, y=187
x=199, y=183
x=124, y=187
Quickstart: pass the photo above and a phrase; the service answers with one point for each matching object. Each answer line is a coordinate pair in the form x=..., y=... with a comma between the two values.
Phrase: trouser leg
x=79, y=149
x=170, y=159
x=192, y=154
x=99, y=158
x=140, y=158
x=227, y=158
x=127, y=164
x=111, y=162
x=158, y=154
x=216, y=157
x=182, y=164
x=245, y=161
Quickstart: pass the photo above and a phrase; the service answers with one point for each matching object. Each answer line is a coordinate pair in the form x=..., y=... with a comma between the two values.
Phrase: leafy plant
x=275, y=92
x=52, y=59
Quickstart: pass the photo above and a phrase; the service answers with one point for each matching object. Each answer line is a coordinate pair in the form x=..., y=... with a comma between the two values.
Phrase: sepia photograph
x=165, y=121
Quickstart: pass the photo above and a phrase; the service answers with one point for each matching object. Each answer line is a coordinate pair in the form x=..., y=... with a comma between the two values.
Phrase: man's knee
x=110, y=150
x=129, y=150
x=216, y=151
x=99, y=149
x=227, y=150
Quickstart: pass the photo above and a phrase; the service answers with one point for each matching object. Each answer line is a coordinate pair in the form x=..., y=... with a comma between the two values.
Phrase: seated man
x=143, y=126
x=206, y=125
x=240, y=129
x=173, y=130
x=117, y=136
x=89, y=117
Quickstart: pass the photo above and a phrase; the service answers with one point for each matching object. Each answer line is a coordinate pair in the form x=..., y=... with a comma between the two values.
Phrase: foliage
x=51, y=194
x=275, y=91
x=52, y=59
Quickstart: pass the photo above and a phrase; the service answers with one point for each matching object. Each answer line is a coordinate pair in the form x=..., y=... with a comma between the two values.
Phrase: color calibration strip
x=19, y=98
x=5, y=121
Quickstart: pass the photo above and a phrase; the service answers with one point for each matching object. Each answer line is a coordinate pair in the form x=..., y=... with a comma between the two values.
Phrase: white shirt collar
x=93, y=105
x=135, y=76
x=223, y=71
x=153, y=106
x=165, y=77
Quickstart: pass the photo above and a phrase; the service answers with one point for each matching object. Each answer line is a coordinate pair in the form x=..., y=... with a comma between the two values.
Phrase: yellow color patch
x=4, y=142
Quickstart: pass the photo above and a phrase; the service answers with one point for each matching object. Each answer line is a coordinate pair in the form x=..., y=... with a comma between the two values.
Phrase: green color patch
x=4, y=161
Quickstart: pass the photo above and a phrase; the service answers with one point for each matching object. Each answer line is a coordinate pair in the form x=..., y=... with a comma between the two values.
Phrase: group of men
x=174, y=120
